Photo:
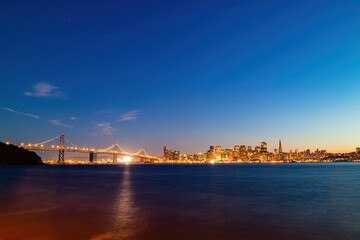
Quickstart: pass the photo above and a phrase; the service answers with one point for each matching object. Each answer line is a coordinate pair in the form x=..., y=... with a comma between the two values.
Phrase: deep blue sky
x=182, y=73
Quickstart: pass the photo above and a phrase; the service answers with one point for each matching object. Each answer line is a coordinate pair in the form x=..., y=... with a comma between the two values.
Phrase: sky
x=186, y=74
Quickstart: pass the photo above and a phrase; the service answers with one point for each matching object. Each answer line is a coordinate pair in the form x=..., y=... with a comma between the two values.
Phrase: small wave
x=28, y=211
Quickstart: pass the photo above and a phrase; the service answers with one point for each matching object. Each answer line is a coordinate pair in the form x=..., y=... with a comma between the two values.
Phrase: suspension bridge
x=62, y=144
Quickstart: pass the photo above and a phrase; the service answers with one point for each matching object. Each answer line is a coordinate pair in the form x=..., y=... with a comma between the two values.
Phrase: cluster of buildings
x=246, y=154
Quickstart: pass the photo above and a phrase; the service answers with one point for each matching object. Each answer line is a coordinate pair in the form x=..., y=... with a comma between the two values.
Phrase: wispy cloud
x=132, y=115
x=73, y=118
x=20, y=113
x=60, y=124
x=117, y=116
x=44, y=89
x=105, y=129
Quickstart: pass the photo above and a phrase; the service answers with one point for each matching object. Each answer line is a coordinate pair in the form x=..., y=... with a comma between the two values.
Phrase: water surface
x=220, y=201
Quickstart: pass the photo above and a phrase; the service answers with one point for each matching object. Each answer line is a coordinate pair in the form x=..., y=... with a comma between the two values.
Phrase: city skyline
x=182, y=74
x=259, y=153
x=49, y=150
x=114, y=154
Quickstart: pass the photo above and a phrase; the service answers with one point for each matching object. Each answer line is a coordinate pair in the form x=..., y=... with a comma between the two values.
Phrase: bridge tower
x=143, y=153
x=92, y=157
x=61, y=159
x=115, y=155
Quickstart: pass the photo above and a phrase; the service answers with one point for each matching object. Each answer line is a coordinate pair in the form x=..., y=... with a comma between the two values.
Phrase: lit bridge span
x=65, y=145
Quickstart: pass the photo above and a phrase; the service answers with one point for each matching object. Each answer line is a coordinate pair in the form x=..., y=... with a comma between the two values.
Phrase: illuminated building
x=242, y=148
x=263, y=148
x=166, y=153
x=263, y=152
x=250, y=153
x=218, y=149
x=212, y=148
x=236, y=152
x=263, y=158
x=171, y=155
x=176, y=155
x=201, y=157
x=229, y=154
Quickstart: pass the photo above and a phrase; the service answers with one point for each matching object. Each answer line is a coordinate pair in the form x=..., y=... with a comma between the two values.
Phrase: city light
x=260, y=154
x=215, y=154
x=127, y=159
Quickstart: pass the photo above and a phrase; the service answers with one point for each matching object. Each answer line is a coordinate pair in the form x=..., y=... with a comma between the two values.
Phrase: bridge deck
x=89, y=151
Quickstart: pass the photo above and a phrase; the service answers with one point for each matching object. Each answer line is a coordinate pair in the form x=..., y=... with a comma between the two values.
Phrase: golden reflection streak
x=127, y=222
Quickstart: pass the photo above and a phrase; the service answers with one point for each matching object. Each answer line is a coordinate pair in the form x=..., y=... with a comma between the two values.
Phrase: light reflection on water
x=126, y=220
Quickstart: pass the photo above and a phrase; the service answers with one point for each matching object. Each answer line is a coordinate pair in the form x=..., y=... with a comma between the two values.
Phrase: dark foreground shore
x=13, y=155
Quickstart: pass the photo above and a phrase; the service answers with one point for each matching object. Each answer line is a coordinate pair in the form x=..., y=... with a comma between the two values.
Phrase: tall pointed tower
x=280, y=147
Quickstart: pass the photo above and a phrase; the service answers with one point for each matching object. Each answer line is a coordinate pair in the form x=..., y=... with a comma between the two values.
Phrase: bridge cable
x=47, y=141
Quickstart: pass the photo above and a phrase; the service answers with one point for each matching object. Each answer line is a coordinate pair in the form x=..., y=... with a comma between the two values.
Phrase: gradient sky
x=187, y=74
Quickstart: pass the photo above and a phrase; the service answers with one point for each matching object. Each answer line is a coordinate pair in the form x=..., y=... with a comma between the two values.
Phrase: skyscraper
x=212, y=148
x=263, y=147
x=242, y=148
x=280, y=147
x=166, y=153
x=218, y=148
